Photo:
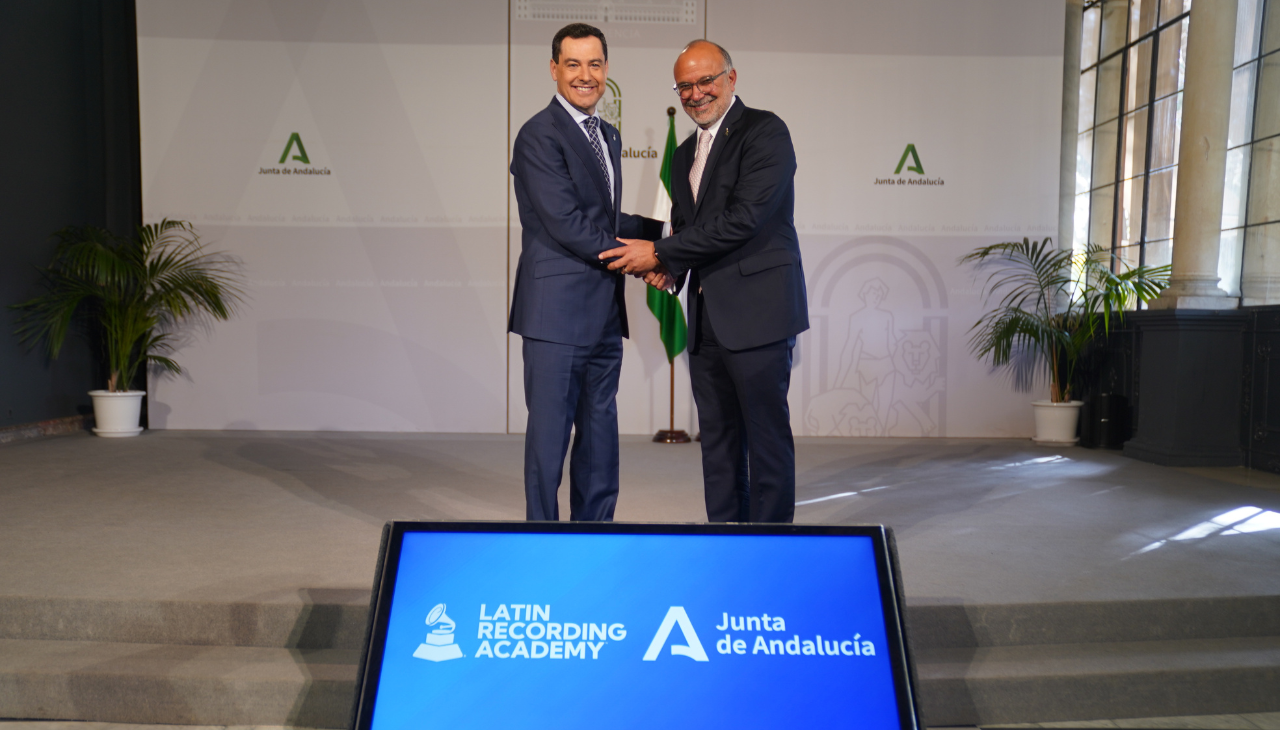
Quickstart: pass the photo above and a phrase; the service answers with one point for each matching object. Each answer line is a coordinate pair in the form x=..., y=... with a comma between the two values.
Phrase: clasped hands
x=636, y=257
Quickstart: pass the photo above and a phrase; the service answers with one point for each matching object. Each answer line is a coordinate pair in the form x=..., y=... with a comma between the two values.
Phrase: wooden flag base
x=671, y=437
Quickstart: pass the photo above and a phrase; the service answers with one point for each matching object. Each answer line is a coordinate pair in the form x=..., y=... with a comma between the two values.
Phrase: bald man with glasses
x=734, y=243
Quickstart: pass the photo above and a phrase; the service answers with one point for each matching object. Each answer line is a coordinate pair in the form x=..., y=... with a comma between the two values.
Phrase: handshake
x=637, y=257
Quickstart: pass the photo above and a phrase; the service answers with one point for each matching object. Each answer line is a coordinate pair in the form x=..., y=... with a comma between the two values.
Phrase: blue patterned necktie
x=592, y=124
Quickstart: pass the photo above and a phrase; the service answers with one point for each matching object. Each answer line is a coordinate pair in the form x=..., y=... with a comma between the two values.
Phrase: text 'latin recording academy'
x=527, y=631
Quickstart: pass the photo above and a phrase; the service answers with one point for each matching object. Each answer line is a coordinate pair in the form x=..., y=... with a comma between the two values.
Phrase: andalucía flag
x=666, y=307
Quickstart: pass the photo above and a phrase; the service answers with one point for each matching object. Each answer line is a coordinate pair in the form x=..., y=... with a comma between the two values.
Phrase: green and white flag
x=666, y=307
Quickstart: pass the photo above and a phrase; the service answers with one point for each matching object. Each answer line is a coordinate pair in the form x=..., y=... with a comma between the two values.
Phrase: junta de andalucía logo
x=909, y=154
x=294, y=152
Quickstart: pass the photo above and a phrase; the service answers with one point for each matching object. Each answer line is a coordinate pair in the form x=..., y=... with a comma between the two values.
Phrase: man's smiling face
x=699, y=62
x=581, y=72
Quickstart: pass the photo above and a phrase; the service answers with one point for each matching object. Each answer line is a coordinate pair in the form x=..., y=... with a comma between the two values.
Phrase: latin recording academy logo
x=909, y=154
x=526, y=631
x=439, y=646
x=286, y=166
x=520, y=631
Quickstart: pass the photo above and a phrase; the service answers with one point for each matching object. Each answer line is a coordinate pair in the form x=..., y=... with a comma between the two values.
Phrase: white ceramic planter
x=117, y=414
x=1056, y=422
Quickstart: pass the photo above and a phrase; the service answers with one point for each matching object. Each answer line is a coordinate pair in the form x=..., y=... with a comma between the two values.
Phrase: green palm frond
x=1051, y=303
x=132, y=289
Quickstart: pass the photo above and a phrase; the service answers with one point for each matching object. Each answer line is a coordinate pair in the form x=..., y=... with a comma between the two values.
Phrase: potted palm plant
x=1050, y=305
x=134, y=293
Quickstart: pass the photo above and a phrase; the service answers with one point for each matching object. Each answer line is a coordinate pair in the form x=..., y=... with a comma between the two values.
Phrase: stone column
x=1206, y=109
x=1070, y=123
x=1260, y=282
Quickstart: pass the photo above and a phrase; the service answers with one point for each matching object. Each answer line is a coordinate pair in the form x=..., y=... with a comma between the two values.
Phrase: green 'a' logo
x=302, y=151
x=910, y=151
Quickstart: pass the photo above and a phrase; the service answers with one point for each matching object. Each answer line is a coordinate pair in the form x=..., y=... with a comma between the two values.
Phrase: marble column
x=1070, y=124
x=1206, y=109
x=1260, y=282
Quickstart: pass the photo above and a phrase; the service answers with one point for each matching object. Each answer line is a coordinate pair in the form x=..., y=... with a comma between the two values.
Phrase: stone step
x=228, y=685
x=336, y=619
x=330, y=619
x=176, y=684
x=939, y=624
x=1058, y=682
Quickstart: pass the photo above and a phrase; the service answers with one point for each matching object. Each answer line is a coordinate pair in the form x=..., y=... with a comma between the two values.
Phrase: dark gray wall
x=69, y=145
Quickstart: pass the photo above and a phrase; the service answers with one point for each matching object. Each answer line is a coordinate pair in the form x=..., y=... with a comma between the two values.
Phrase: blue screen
x=619, y=631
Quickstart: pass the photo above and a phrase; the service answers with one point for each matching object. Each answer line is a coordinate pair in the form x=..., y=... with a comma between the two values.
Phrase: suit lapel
x=717, y=145
x=615, y=157
x=577, y=141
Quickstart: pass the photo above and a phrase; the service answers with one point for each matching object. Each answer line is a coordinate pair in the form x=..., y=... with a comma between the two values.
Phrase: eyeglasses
x=704, y=84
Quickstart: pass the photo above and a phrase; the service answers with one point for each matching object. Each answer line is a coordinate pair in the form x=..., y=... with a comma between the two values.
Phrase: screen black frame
x=887, y=573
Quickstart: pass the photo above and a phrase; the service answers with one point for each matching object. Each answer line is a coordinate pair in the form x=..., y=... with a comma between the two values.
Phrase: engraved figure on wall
x=880, y=362
x=866, y=362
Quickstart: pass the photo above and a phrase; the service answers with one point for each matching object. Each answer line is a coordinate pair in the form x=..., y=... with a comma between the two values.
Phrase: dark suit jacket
x=739, y=243
x=562, y=292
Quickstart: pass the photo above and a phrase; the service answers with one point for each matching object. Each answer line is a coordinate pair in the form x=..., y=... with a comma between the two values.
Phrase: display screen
x=558, y=629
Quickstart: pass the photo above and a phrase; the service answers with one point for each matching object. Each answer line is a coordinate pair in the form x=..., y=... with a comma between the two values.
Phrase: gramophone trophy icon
x=439, y=646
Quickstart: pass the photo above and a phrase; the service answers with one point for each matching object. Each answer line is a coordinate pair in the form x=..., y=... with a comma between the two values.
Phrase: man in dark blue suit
x=733, y=198
x=567, y=306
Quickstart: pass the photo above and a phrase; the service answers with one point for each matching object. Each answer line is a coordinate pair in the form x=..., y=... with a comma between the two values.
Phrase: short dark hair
x=575, y=31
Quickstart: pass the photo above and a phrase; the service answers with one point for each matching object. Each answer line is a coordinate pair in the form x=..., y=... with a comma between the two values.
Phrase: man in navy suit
x=733, y=198
x=568, y=306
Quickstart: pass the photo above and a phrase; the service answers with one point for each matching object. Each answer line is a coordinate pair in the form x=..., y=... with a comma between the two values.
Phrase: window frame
x=1117, y=209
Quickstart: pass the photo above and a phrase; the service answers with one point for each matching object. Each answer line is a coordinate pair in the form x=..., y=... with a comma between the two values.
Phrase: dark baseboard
x=52, y=427
x=1154, y=454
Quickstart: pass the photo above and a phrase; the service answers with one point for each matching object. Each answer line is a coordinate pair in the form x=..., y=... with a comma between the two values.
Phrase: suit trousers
x=570, y=387
x=748, y=454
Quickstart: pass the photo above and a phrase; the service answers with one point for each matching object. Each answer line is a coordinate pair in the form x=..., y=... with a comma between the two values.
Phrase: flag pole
x=671, y=435
x=660, y=303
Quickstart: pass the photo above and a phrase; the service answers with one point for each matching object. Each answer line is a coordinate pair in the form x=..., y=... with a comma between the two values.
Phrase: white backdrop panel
x=975, y=87
x=362, y=186
x=377, y=297
x=888, y=355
